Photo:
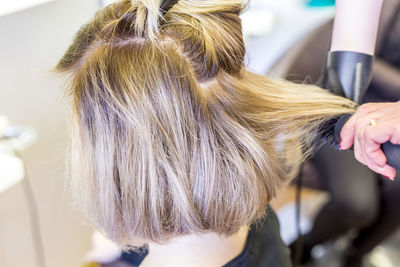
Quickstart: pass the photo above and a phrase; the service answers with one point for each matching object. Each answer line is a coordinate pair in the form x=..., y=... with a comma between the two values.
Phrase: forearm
x=356, y=25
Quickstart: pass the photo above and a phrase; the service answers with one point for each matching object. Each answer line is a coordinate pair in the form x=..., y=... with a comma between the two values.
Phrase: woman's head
x=170, y=134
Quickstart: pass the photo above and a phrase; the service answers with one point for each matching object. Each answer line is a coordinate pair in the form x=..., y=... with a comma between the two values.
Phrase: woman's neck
x=197, y=250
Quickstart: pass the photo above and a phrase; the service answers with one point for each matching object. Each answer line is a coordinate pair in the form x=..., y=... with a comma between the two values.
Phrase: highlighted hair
x=171, y=135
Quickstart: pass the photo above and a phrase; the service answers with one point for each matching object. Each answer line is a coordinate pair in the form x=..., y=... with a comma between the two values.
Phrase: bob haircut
x=171, y=135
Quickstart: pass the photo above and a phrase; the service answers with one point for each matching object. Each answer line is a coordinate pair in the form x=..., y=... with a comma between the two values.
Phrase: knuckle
x=357, y=127
x=369, y=151
x=365, y=107
x=368, y=139
x=362, y=124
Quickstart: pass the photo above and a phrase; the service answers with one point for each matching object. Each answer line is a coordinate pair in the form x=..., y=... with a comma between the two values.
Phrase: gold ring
x=372, y=122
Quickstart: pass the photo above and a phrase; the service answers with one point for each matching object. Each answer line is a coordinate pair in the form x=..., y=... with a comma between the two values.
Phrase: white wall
x=8, y=7
x=31, y=42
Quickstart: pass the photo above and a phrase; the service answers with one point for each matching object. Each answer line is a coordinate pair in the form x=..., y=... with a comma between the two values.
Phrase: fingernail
x=392, y=179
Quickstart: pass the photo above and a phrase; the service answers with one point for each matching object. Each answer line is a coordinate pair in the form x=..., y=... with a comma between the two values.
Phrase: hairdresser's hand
x=372, y=125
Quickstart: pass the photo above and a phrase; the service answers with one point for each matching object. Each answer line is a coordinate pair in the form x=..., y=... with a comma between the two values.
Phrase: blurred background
x=34, y=34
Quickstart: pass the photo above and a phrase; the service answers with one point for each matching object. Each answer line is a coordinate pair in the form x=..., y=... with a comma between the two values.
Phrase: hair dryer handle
x=392, y=151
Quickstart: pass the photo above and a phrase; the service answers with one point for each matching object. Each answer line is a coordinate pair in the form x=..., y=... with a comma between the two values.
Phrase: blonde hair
x=170, y=134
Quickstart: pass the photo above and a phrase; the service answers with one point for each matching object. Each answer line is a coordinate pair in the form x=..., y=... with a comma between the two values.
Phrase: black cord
x=299, y=244
x=34, y=217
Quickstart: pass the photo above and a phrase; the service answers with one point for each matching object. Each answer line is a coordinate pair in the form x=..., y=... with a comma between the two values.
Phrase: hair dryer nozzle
x=348, y=74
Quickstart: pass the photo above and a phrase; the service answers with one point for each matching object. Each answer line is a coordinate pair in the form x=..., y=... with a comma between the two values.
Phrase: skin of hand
x=367, y=137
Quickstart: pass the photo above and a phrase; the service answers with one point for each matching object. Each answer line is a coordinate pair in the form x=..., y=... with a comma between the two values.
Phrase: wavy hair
x=171, y=135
